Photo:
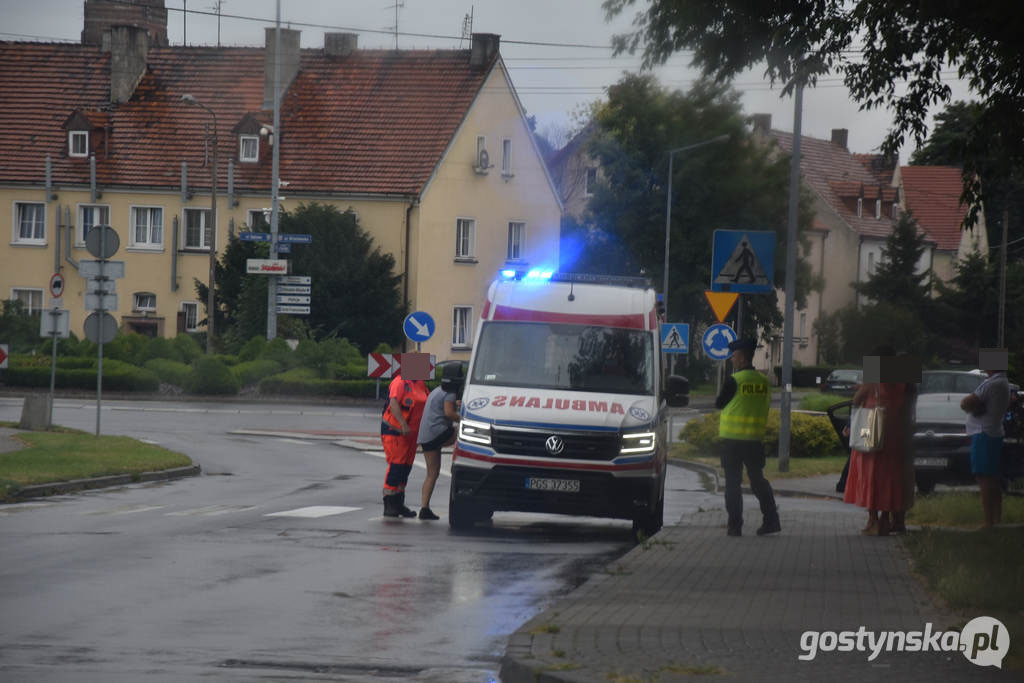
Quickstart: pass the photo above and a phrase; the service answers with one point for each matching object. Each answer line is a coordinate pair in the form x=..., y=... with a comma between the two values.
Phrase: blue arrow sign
x=675, y=337
x=295, y=239
x=717, y=339
x=743, y=261
x=254, y=236
x=419, y=326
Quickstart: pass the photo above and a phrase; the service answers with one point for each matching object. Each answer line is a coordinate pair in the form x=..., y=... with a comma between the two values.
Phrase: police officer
x=744, y=402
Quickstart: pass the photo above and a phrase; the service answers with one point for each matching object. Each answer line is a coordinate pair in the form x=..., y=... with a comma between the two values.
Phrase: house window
x=191, y=311
x=878, y=209
x=197, y=229
x=78, y=143
x=29, y=223
x=144, y=301
x=465, y=236
x=258, y=221
x=248, y=148
x=860, y=207
x=147, y=227
x=89, y=216
x=506, y=157
x=461, y=332
x=803, y=325
x=871, y=262
x=591, y=181
x=31, y=299
x=516, y=240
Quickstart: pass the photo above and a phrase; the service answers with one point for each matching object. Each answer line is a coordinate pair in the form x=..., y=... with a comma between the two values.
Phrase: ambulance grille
x=578, y=446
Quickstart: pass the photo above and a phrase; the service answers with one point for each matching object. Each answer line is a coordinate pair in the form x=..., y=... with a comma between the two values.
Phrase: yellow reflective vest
x=745, y=415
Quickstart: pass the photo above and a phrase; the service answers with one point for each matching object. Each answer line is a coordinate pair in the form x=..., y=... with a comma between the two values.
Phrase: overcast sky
x=552, y=80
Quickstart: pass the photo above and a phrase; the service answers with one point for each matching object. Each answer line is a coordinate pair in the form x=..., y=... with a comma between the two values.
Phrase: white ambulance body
x=563, y=409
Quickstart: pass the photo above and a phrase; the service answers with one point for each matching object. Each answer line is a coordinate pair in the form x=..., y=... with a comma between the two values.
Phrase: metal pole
x=668, y=232
x=210, y=302
x=787, y=334
x=54, y=315
x=101, y=314
x=1002, y=280
x=275, y=181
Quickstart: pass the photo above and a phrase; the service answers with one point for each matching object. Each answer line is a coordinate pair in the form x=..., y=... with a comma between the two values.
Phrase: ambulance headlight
x=638, y=442
x=475, y=432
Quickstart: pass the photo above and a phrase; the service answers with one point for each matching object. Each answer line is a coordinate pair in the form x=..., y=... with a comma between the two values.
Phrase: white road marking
x=211, y=510
x=313, y=511
x=126, y=510
x=298, y=441
x=446, y=456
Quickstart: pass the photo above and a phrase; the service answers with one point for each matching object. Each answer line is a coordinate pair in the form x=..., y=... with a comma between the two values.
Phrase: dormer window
x=860, y=207
x=78, y=143
x=878, y=209
x=248, y=148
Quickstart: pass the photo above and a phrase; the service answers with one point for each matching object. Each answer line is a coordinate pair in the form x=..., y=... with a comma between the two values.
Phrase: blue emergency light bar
x=539, y=275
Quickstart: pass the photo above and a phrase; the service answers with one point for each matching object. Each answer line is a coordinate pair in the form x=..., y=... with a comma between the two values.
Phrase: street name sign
x=254, y=236
x=292, y=299
x=292, y=310
x=295, y=280
x=266, y=266
x=293, y=289
x=286, y=238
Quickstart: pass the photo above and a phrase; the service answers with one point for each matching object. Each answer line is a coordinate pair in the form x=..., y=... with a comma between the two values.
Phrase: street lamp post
x=189, y=99
x=668, y=209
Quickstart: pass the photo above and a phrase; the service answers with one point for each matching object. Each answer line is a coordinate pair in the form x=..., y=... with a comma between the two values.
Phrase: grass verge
x=961, y=509
x=798, y=467
x=65, y=454
x=976, y=574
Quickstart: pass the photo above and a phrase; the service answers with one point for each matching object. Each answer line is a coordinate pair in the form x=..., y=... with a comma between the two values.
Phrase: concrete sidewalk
x=692, y=601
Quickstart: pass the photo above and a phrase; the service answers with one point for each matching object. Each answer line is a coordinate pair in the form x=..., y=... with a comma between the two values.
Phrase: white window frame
x=78, y=136
x=205, y=234
x=16, y=236
x=138, y=297
x=83, y=226
x=31, y=291
x=462, y=327
x=253, y=142
x=860, y=207
x=154, y=230
x=588, y=186
x=465, y=246
x=521, y=242
x=194, y=305
x=878, y=209
x=506, y=157
x=257, y=218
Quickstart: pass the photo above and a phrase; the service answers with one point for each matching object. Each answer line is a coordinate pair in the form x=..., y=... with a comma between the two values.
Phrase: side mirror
x=677, y=391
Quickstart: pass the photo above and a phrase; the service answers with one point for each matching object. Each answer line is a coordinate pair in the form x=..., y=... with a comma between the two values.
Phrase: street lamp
x=189, y=99
x=668, y=205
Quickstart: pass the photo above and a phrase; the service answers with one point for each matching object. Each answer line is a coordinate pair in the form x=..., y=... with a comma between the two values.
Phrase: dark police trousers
x=735, y=454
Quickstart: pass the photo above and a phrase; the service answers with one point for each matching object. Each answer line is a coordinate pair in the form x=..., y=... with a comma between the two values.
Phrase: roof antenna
x=398, y=5
x=467, y=27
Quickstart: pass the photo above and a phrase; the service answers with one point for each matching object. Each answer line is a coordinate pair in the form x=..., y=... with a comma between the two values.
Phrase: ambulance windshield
x=561, y=356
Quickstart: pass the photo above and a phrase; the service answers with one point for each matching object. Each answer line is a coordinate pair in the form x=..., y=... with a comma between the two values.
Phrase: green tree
x=896, y=279
x=875, y=44
x=19, y=329
x=355, y=291
x=241, y=298
x=736, y=184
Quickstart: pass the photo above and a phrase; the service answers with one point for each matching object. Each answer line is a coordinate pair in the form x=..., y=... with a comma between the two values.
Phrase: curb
x=779, y=491
x=55, y=488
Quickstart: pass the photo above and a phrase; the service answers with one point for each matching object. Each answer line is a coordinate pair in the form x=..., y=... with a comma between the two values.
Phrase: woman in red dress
x=876, y=480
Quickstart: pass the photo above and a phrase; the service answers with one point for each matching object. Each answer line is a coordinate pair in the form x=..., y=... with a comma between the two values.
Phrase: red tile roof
x=932, y=193
x=374, y=122
x=834, y=174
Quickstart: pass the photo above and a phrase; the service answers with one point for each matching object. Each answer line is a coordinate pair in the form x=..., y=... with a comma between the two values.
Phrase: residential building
x=576, y=172
x=430, y=148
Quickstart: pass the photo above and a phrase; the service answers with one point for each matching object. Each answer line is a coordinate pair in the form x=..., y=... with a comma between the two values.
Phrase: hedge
x=251, y=372
x=117, y=376
x=811, y=436
x=170, y=371
x=296, y=386
x=211, y=375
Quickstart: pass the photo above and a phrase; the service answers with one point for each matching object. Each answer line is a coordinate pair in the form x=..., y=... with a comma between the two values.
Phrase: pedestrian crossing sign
x=743, y=261
x=675, y=338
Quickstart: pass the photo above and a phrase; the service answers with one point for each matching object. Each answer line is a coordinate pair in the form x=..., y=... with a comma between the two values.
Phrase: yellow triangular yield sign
x=721, y=303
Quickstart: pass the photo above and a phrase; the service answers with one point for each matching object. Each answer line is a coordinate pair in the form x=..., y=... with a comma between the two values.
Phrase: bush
x=76, y=362
x=187, y=347
x=252, y=350
x=210, y=375
x=251, y=372
x=161, y=347
x=130, y=348
x=304, y=382
x=69, y=346
x=277, y=349
x=225, y=358
x=821, y=402
x=341, y=351
x=170, y=371
x=117, y=376
x=811, y=436
x=311, y=355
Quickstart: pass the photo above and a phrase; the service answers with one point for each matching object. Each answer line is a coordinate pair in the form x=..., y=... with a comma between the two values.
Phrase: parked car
x=843, y=381
x=942, y=449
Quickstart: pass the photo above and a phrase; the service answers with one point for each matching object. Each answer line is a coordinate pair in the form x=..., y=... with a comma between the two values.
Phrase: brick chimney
x=289, y=63
x=839, y=137
x=762, y=123
x=102, y=15
x=129, y=48
x=340, y=44
x=484, y=50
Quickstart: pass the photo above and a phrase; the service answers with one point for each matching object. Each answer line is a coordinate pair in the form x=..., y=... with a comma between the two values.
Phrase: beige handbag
x=867, y=428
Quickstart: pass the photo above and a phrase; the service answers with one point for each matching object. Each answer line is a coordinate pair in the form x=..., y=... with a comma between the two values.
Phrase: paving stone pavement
x=693, y=597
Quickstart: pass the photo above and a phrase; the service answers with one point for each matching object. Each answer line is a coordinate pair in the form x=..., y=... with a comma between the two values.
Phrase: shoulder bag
x=866, y=428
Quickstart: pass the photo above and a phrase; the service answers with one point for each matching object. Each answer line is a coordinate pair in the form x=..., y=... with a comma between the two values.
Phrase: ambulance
x=564, y=406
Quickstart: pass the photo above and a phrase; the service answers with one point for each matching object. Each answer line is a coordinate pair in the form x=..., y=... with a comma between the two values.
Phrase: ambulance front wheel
x=650, y=521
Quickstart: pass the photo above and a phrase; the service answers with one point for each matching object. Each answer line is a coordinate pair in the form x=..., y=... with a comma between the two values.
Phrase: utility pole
x=1002, y=280
x=275, y=180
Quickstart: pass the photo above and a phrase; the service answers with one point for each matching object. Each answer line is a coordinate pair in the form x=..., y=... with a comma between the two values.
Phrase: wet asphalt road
x=275, y=564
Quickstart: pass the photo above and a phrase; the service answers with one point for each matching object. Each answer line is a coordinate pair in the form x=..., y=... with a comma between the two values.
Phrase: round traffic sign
x=102, y=241
x=717, y=339
x=56, y=285
x=419, y=326
x=100, y=328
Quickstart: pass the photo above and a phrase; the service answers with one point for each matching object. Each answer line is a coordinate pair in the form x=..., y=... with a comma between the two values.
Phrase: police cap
x=746, y=344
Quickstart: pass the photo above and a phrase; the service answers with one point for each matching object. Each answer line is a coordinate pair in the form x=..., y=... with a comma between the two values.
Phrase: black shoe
x=390, y=510
x=734, y=531
x=427, y=513
x=770, y=526
x=400, y=506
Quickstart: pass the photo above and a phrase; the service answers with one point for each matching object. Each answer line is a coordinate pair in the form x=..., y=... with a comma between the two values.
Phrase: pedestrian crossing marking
x=313, y=511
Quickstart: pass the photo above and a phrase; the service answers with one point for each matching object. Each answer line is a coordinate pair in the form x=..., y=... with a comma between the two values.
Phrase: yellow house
x=430, y=148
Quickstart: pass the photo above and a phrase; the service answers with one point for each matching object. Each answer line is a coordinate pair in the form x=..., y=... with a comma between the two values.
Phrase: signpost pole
x=55, y=315
x=102, y=309
x=275, y=180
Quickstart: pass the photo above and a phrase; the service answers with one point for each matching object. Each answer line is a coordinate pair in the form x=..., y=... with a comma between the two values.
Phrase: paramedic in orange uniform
x=399, y=428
